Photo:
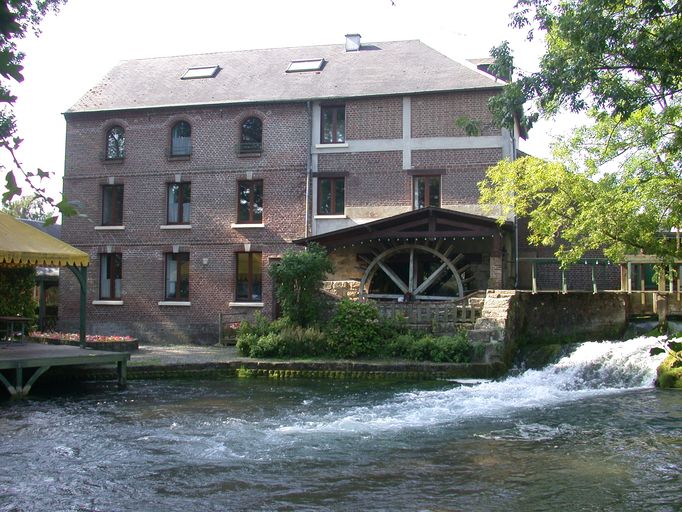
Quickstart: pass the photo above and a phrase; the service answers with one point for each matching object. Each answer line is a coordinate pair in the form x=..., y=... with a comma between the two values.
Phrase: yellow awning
x=21, y=244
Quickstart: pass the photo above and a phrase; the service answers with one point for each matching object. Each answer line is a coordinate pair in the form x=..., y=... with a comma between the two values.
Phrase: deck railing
x=546, y=275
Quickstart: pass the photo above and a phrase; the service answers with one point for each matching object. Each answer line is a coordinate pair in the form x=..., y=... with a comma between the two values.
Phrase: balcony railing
x=249, y=148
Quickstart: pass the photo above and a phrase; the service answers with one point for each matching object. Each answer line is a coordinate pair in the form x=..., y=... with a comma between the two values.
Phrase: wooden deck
x=38, y=358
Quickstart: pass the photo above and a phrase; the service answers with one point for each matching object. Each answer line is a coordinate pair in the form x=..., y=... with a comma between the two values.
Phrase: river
x=587, y=433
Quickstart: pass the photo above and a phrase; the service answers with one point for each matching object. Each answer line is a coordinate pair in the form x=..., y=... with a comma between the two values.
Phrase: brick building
x=193, y=174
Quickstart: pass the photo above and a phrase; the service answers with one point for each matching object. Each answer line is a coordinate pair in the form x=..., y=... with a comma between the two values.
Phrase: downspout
x=516, y=219
x=309, y=167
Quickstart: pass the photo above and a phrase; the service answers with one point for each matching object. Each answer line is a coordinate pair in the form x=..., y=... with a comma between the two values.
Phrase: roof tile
x=396, y=67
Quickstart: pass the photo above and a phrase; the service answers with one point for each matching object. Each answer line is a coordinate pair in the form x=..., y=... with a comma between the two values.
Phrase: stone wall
x=511, y=319
x=555, y=318
x=348, y=289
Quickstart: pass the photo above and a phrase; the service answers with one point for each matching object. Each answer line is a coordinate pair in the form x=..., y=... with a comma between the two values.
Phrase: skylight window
x=201, y=72
x=298, y=66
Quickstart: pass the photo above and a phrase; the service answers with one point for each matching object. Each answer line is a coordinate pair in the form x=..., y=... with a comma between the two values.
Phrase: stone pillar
x=495, y=280
x=624, y=277
x=661, y=301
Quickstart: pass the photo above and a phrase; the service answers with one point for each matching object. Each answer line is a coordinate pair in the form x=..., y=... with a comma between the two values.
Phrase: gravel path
x=183, y=354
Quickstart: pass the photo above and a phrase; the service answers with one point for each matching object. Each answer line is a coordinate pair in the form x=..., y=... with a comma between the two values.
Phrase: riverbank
x=183, y=361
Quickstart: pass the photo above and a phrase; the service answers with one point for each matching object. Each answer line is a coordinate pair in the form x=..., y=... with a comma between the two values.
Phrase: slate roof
x=257, y=76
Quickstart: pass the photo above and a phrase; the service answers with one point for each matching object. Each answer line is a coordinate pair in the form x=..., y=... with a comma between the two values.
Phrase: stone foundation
x=342, y=289
x=512, y=318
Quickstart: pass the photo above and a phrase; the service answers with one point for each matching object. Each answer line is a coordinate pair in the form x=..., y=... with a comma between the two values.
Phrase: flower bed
x=113, y=343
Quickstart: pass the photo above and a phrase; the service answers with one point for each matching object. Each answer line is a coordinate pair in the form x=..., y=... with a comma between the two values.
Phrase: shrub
x=450, y=349
x=298, y=277
x=439, y=349
x=16, y=292
x=248, y=333
x=391, y=328
x=400, y=345
x=245, y=341
x=355, y=330
x=269, y=345
x=293, y=341
x=279, y=338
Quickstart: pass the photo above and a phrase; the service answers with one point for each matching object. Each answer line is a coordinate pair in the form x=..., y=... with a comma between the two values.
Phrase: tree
x=31, y=207
x=298, y=278
x=16, y=291
x=616, y=184
x=617, y=56
x=17, y=19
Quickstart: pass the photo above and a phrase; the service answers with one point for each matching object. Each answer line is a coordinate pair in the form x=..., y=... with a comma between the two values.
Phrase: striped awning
x=21, y=244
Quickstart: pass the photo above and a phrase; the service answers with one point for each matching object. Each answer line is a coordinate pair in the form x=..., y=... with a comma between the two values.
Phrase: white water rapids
x=594, y=368
x=586, y=433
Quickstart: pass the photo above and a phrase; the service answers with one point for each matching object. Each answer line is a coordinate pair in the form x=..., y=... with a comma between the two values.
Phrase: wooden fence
x=437, y=317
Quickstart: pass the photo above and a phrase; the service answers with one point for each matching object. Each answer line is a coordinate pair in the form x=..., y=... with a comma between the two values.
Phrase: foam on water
x=594, y=368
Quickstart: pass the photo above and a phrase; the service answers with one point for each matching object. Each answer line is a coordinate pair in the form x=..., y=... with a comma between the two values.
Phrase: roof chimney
x=352, y=42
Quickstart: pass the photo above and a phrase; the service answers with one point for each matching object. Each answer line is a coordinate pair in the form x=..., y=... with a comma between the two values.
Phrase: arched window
x=252, y=136
x=181, y=139
x=115, y=143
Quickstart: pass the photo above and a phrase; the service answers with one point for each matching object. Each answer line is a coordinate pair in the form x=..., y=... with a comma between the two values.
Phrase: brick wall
x=435, y=115
x=213, y=171
x=374, y=118
x=212, y=288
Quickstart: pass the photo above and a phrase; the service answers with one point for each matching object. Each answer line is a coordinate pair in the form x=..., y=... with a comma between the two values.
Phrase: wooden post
x=564, y=285
x=81, y=274
x=122, y=371
x=41, y=307
x=534, y=276
x=642, y=285
x=83, y=302
x=594, y=281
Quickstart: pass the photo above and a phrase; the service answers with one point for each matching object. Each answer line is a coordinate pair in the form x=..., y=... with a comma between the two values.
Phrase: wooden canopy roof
x=418, y=224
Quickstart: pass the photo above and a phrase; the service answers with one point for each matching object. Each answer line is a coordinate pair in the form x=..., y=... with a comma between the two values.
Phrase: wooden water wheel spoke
x=394, y=277
x=411, y=260
x=431, y=279
x=436, y=274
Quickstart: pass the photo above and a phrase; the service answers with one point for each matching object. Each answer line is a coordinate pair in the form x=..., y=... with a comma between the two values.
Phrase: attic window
x=297, y=66
x=202, y=72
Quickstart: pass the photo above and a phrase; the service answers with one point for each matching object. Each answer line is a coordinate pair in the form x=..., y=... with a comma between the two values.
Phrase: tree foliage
x=617, y=56
x=16, y=292
x=18, y=18
x=298, y=278
x=32, y=207
x=617, y=183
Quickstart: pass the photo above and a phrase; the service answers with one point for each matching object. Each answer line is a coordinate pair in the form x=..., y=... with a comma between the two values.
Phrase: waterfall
x=594, y=368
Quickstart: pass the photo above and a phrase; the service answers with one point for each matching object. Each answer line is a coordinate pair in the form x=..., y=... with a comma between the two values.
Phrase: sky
x=86, y=38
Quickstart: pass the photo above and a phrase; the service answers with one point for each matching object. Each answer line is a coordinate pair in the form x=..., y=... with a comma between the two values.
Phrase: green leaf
x=12, y=190
x=66, y=208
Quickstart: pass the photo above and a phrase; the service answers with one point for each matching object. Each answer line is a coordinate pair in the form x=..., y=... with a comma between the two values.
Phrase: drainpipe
x=516, y=219
x=309, y=167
